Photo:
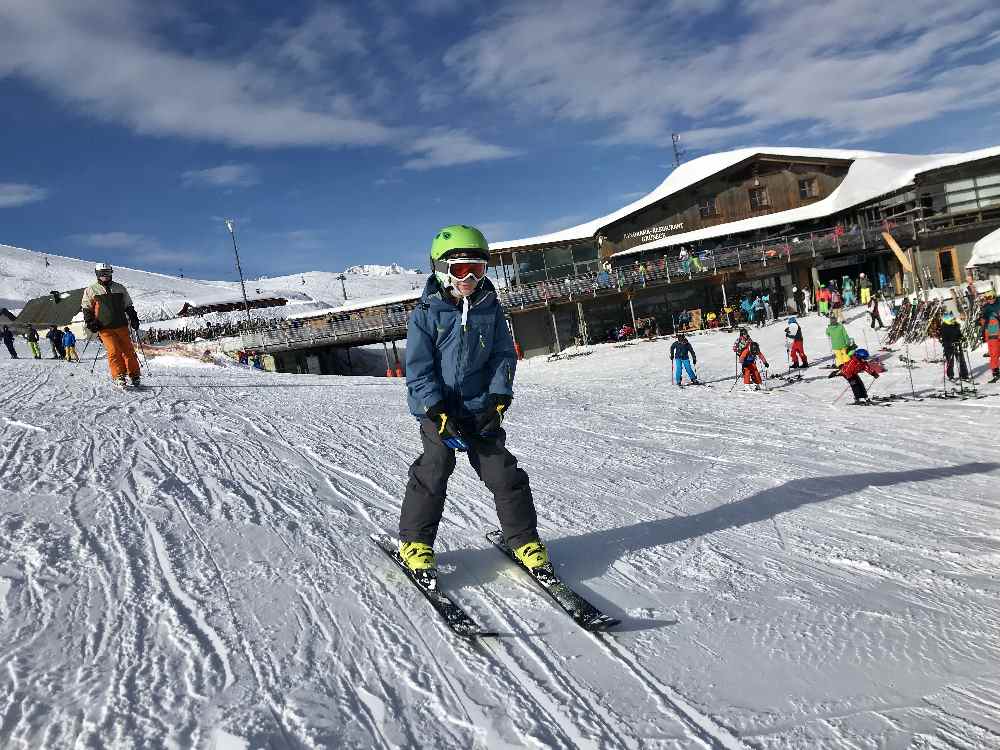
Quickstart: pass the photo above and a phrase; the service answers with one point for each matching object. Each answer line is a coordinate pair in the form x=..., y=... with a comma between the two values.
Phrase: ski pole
x=141, y=350
x=100, y=345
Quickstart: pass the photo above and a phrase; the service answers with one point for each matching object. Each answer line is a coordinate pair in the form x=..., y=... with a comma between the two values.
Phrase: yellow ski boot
x=417, y=556
x=532, y=555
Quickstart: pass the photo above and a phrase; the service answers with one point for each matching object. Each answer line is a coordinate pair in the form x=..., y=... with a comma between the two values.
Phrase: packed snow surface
x=189, y=565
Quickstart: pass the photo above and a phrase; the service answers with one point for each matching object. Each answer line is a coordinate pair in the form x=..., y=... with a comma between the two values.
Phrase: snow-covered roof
x=870, y=175
x=986, y=252
x=363, y=304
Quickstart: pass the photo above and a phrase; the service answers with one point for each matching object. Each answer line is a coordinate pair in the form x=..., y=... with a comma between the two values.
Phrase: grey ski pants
x=423, y=503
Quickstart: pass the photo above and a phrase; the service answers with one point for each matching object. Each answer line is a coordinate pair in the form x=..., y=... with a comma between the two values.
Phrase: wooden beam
x=900, y=255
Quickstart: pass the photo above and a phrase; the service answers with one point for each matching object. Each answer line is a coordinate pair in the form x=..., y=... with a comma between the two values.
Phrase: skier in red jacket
x=852, y=369
x=748, y=361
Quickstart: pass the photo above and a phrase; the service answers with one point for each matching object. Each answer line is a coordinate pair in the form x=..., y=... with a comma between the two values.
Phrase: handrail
x=637, y=272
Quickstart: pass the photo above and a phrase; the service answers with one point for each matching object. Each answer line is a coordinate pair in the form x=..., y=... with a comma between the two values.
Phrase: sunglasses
x=462, y=269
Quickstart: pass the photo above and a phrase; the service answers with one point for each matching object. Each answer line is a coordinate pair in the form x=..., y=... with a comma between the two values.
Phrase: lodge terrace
x=764, y=219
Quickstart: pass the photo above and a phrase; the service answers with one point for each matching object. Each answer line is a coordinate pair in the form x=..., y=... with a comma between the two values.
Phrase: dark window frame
x=759, y=191
x=707, y=207
x=808, y=188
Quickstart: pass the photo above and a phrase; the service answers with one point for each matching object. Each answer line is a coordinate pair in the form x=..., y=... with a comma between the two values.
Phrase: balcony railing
x=384, y=325
x=670, y=269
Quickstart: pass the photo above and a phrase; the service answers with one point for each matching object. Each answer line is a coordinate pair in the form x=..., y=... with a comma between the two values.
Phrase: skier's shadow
x=604, y=548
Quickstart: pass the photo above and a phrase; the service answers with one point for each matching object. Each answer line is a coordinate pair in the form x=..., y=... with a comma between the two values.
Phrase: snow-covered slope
x=188, y=566
x=25, y=275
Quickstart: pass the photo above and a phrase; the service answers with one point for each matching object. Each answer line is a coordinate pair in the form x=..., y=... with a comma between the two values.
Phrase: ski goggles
x=462, y=269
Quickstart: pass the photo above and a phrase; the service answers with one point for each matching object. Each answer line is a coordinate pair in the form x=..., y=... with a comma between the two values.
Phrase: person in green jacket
x=840, y=341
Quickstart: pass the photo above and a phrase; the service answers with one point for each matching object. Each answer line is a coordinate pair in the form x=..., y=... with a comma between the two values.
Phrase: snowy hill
x=24, y=275
x=188, y=566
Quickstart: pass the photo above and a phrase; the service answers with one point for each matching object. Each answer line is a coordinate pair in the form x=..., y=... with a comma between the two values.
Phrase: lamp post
x=343, y=286
x=231, y=226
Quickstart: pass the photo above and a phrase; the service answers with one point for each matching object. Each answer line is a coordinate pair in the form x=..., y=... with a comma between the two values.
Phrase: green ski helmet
x=458, y=240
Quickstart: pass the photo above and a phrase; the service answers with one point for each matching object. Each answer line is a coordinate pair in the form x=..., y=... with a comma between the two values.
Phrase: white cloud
x=104, y=57
x=13, y=194
x=109, y=240
x=138, y=247
x=225, y=175
x=446, y=147
x=849, y=66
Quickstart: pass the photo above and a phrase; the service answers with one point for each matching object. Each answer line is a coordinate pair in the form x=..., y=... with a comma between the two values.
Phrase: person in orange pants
x=108, y=311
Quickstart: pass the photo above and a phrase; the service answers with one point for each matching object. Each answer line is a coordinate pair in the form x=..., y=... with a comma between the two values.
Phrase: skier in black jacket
x=8, y=340
x=683, y=356
x=951, y=342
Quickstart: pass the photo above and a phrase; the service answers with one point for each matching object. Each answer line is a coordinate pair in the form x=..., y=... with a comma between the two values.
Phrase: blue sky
x=340, y=133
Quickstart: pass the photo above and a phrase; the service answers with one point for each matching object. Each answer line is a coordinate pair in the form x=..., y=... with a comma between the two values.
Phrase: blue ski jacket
x=68, y=339
x=460, y=365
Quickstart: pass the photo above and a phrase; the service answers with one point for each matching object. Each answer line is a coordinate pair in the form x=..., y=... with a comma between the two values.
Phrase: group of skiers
x=107, y=311
x=63, y=343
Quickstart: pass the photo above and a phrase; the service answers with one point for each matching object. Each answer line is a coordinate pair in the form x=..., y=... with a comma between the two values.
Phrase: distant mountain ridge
x=26, y=274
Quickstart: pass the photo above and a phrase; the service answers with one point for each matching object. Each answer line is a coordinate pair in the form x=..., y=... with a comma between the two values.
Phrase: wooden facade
x=758, y=186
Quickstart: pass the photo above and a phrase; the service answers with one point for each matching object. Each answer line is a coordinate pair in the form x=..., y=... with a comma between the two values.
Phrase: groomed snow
x=188, y=566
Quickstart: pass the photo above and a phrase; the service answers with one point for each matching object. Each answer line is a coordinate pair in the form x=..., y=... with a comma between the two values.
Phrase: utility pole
x=343, y=286
x=678, y=151
x=231, y=226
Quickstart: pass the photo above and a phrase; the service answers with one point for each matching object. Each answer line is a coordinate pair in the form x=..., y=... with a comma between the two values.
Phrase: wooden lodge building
x=766, y=219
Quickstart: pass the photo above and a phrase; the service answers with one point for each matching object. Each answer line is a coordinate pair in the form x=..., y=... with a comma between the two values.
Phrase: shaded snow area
x=189, y=565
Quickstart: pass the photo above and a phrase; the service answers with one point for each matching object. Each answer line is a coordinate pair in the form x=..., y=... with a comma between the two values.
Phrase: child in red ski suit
x=852, y=369
x=748, y=360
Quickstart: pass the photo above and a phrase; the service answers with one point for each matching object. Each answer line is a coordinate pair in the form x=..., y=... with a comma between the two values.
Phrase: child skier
x=793, y=341
x=460, y=365
x=840, y=340
x=950, y=333
x=69, y=344
x=748, y=362
x=856, y=364
x=32, y=337
x=682, y=355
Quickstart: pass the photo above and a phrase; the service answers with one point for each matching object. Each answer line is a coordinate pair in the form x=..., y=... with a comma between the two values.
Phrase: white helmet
x=103, y=268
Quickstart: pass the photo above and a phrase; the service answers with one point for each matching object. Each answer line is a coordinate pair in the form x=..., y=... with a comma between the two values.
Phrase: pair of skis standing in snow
x=460, y=364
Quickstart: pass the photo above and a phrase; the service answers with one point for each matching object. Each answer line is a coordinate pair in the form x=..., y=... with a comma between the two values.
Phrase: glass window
x=989, y=192
x=582, y=253
x=965, y=195
x=986, y=202
x=960, y=185
x=706, y=206
x=558, y=272
x=807, y=188
x=758, y=198
x=558, y=256
x=532, y=277
x=528, y=262
x=989, y=179
x=965, y=206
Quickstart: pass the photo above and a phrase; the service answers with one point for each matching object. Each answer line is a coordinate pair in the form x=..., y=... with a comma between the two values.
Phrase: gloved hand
x=133, y=318
x=92, y=323
x=489, y=421
x=447, y=428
